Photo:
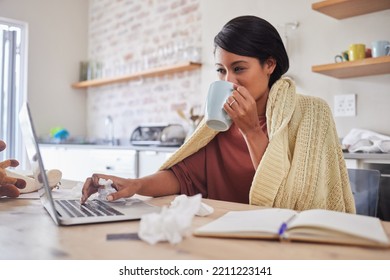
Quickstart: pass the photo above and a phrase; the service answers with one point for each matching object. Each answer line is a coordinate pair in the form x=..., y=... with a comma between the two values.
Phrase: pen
x=283, y=227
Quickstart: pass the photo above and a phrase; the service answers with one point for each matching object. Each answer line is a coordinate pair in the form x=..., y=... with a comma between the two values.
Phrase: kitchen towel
x=362, y=140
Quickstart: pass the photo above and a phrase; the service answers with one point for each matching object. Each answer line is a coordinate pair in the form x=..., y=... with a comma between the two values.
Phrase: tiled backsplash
x=129, y=36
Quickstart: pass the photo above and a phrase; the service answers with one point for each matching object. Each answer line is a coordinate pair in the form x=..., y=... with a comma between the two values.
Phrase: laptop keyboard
x=91, y=208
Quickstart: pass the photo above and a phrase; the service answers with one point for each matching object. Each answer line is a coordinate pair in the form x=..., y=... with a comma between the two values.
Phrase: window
x=13, y=80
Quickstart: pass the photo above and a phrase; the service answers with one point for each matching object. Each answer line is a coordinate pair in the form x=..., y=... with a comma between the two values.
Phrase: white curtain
x=12, y=86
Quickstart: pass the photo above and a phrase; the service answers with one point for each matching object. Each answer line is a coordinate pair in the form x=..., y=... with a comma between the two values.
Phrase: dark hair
x=254, y=37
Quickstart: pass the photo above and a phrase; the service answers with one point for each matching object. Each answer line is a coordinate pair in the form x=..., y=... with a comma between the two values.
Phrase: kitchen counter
x=378, y=161
x=167, y=149
x=368, y=156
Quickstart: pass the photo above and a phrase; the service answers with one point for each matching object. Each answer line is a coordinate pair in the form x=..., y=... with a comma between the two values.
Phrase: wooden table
x=27, y=232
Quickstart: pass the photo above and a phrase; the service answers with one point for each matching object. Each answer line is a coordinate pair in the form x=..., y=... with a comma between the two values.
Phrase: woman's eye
x=238, y=69
x=221, y=71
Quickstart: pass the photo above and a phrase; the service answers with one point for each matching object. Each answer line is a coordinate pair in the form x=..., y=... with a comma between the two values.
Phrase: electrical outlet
x=345, y=105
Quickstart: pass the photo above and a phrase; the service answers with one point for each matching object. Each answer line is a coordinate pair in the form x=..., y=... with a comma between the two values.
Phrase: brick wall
x=132, y=35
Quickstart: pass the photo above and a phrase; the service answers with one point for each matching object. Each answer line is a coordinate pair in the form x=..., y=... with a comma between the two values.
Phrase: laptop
x=71, y=211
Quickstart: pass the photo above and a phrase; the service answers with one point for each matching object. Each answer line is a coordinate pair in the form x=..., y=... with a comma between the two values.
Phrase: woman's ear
x=270, y=65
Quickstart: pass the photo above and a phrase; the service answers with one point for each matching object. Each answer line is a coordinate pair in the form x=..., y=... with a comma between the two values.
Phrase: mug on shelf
x=368, y=52
x=342, y=57
x=356, y=52
x=380, y=48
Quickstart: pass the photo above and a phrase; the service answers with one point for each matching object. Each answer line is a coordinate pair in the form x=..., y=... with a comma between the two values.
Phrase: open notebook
x=323, y=226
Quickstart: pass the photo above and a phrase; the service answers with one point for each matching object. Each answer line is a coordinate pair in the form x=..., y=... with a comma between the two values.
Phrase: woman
x=281, y=151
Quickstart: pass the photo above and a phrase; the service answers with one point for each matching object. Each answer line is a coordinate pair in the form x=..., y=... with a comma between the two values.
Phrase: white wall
x=316, y=41
x=57, y=43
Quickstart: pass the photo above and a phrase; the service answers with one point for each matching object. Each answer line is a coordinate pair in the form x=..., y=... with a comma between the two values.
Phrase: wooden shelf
x=160, y=71
x=358, y=68
x=340, y=9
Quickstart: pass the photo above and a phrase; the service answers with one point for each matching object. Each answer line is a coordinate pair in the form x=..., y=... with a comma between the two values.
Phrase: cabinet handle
x=151, y=153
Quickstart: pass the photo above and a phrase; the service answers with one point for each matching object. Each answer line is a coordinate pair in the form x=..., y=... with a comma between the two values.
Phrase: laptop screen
x=34, y=155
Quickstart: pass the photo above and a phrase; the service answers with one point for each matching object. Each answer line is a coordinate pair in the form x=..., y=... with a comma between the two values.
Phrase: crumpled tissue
x=102, y=193
x=174, y=222
x=106, y=190
x=362, y=140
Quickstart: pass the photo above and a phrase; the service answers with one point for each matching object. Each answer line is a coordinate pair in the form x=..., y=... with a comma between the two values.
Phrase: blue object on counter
x=59, y=133
x=62, y=134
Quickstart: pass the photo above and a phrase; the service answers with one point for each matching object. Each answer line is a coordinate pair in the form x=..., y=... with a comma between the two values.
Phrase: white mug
x=215, y=115
x=380, y=48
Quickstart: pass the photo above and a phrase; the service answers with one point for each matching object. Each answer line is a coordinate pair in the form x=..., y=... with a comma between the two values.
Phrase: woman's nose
x=230, y=78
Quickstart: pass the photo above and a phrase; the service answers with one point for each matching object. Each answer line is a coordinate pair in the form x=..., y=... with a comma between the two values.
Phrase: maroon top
x=221, y=170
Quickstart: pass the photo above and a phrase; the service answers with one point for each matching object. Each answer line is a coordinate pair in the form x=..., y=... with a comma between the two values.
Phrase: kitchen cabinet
x=122, y=163
x=348, y=8
x=78, y=163
x=73, y=163
x=159, y=71
x=341, y=9
x=150, y=161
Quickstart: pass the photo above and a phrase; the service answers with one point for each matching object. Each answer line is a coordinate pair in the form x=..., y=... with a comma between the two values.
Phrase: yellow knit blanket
x=303, y=166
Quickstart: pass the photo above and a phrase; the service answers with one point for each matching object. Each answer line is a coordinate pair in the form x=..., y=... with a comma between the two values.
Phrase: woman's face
x=245, y=71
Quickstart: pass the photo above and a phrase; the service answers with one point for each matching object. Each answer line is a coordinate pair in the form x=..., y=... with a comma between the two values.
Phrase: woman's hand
x=124, y=187
x=160, y=183
x=242, y=109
